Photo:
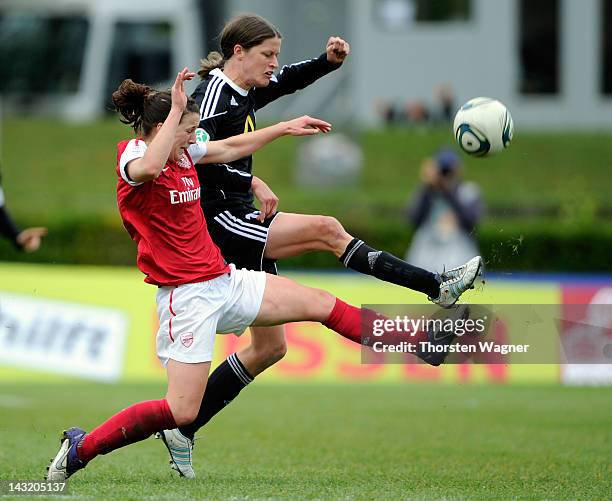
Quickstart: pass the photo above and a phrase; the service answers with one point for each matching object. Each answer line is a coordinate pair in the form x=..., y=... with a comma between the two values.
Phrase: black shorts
x=241, y=237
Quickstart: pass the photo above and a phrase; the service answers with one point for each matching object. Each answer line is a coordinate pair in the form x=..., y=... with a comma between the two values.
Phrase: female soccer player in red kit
x=199, y=294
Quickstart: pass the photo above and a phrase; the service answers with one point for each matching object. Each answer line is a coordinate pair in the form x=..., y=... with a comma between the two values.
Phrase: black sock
x=223, y=386
x=380, y=264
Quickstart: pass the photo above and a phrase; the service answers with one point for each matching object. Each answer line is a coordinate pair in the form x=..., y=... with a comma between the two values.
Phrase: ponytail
x=212, y=61
x=129, y=100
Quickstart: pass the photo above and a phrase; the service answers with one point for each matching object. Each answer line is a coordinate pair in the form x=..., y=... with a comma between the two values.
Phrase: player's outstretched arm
x=151, y=164
x=243, y=145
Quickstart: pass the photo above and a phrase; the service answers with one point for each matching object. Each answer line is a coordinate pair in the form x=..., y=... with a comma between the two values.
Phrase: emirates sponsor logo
x=181, y=197
x=187, y=339
x=189, y=195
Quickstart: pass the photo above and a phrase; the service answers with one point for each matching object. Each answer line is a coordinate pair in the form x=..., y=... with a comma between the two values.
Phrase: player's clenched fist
x=337, y=49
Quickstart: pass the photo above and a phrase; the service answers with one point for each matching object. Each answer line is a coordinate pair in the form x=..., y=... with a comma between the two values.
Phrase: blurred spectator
x=446, y=103
x=418, y=112
x=28, y=240
x=444, y=211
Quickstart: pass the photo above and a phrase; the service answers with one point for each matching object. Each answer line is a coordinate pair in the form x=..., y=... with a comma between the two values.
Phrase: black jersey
x=227, y=110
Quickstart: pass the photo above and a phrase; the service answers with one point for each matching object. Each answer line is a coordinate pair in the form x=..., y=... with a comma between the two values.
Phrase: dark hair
x=143, y=107
x=448, y=161
x=247, y=30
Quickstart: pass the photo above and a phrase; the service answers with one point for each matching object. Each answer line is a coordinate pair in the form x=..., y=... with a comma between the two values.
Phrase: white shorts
x=190, y=315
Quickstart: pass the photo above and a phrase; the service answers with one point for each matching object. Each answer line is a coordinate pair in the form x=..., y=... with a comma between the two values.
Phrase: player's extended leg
x=287, y=301
x=267, y=347
x=186, y=384
x=294, y=234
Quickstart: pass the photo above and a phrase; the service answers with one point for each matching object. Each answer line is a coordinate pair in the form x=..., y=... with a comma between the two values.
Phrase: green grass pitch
x=556, y=168
x=335, y=442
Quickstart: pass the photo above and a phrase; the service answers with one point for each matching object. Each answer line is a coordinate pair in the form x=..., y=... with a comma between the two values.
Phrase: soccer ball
x=483, y=126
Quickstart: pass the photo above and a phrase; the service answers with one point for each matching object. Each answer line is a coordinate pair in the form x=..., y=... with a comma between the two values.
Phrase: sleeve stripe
x=299, y=63
x=212, y=82
x=236, y=171
x=214, y=106
x=212, y=99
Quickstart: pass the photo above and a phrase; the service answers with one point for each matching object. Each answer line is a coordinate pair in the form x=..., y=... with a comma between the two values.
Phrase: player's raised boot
x=456, y=281
x=66, y=462
x=180, y=448
x=439, y=336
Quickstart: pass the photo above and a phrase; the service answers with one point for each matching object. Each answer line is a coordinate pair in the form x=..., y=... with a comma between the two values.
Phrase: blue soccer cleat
x=66, y=461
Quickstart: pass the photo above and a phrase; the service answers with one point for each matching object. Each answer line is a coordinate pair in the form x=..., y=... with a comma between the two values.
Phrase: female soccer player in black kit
x=234, y=85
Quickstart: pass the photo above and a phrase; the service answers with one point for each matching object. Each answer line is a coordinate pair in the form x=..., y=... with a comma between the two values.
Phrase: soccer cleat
x=456, y=281
x=180, y=448
x=442, y=337
x=66, y=461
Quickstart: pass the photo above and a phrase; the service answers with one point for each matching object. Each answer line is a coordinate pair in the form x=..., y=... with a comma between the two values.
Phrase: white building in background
x=550, y=61
x=65, y=57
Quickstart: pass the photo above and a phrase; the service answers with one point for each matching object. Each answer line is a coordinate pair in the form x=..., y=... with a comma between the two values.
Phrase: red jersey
x=164, y=218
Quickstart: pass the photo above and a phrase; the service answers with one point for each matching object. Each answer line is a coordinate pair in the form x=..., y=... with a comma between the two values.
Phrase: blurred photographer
x=444, y=211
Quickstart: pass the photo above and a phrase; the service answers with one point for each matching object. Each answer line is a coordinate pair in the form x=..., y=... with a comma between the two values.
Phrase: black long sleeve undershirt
x=8, y=228
x=294, y=77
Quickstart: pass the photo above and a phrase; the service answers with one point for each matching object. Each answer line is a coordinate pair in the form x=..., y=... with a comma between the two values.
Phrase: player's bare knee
x=321, y=305
x=185, y=414
x=330, y=231
x=277, y=351
x=271, y=352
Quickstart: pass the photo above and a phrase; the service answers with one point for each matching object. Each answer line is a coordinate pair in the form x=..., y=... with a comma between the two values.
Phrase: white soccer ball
x=483, y=126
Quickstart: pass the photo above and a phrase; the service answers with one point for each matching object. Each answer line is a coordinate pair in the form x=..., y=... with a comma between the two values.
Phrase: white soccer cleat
x=456, y=281
x=66, y=461
x=180, y=448
x=56, y=471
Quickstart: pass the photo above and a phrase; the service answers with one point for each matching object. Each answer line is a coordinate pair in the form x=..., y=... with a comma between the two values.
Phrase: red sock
x=133, y=424
x=345, y=320
x=350, y=322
